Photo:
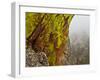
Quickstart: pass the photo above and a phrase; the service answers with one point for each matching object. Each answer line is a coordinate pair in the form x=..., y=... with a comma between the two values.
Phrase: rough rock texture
x=34, y=59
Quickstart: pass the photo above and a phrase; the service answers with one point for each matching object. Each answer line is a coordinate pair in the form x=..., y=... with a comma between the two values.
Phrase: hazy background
x=79, y=39
x=79, y=25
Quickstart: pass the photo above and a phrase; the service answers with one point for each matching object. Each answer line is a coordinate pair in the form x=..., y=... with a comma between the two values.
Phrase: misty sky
x=79, y=25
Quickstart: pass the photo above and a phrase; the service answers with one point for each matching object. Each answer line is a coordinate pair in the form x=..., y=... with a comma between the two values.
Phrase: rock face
x=34, y=59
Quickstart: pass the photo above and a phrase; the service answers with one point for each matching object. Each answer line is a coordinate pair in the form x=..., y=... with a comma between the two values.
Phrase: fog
x=79, y=25
x=79, y=39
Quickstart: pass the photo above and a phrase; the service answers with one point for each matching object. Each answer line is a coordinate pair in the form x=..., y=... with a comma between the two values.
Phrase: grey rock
x=36, y=59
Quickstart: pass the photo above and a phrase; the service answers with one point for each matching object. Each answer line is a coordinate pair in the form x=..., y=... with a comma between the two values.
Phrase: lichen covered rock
x=34, y=59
